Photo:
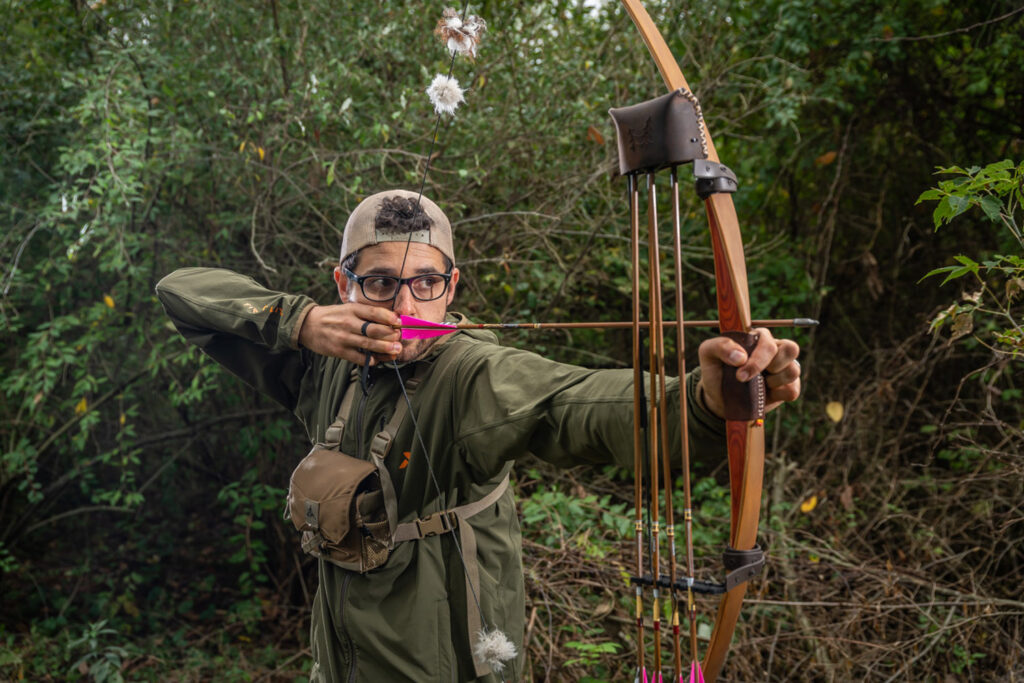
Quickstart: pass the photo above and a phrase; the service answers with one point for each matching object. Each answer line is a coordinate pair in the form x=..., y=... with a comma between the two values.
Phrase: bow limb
x=745, y=438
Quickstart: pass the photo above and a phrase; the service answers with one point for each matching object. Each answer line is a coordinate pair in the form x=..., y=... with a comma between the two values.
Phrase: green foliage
x=963, y=659
x=593, y=524
x=141, y=137
x=995, y=305
x=590, y=653
x=101, y=661
x=250, y=502
x=997, y=189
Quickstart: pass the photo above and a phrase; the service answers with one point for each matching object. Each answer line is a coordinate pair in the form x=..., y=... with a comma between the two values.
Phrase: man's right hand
x=338, y=331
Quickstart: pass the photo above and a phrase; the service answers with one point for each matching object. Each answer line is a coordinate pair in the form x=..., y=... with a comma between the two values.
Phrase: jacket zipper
x=360, y=416
x=344, y=630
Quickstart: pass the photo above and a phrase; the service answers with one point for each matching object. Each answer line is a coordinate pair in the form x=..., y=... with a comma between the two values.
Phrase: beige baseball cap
x=361, y=229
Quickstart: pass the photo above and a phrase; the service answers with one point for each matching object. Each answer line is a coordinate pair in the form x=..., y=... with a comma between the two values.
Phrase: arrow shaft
x=773, y=322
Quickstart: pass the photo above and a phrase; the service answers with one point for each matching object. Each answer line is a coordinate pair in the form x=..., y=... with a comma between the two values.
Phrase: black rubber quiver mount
x=713, y=177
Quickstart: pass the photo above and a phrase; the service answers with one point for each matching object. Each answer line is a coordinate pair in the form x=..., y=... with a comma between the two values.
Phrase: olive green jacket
x=479, y=407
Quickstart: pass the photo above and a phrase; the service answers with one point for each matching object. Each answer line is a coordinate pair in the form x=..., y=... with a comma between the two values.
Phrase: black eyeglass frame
x=359, y=279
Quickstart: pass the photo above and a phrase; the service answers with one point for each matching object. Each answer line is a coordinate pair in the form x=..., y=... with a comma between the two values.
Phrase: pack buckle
x=437, y=523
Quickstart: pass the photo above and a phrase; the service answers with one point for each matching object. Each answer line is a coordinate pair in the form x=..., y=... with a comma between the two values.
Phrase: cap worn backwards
x=365, y=227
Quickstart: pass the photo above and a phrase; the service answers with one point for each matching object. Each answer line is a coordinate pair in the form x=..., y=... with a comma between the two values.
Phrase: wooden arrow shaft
x=774, y=322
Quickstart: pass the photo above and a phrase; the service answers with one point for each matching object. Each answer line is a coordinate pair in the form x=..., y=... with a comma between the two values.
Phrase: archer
x=420, y=564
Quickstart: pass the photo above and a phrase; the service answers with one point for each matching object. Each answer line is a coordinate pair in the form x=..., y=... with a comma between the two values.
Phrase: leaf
x=834, y=410
x=809, y=504
x=942, y=212
x=963, y=325
x=846, y=498
x=992, y=208
x=81, y=406
x=826, y=158
x=260, y=151
x=943, y=269
x=108, y=300
x=973, y=297
x=1014, y=287
x=594, y=135
x=130, y=608
x=241, y=147
x=958, y=205
x=969, y=266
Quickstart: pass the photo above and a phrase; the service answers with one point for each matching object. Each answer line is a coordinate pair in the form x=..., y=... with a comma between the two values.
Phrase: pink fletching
x=409, y=331
x=696, y=673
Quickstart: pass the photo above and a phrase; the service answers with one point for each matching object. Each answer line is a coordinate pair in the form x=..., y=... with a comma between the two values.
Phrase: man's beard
x=414, y=349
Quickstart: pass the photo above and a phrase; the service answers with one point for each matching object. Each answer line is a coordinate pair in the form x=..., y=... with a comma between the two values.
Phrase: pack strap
x=445, y=522
x=381, y=443
x=332, y=437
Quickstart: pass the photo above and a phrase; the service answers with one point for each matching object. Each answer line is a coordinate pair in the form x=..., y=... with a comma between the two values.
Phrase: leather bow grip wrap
x=744, y=401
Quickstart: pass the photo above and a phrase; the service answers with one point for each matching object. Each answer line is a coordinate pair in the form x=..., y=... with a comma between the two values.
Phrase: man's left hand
x=776, y=358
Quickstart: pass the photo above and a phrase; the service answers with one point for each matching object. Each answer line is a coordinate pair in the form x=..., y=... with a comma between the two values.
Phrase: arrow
x=414, y=328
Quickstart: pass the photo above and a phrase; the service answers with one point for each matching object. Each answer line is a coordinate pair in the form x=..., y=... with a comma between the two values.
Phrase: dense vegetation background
x=141, y=487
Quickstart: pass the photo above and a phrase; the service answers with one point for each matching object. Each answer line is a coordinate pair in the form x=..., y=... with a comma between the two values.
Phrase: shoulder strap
x=332, y=437
x=381, y=443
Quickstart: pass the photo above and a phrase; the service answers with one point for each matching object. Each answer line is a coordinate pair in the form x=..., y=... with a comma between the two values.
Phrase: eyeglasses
x=379, y=288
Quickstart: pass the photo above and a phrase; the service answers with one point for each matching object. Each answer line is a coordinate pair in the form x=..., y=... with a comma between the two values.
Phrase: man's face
x=387, y=258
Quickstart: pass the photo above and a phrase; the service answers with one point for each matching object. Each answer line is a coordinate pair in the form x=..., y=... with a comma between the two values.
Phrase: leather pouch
x=338, y=502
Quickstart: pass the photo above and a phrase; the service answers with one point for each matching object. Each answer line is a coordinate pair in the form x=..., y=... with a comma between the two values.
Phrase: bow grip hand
x=728, y=363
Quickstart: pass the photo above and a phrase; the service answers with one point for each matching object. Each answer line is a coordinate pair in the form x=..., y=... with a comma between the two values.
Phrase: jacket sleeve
x=511, y=402
x=250, y=330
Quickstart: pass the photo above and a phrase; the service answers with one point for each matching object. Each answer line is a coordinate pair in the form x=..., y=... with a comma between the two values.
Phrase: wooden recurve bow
x=745, y=436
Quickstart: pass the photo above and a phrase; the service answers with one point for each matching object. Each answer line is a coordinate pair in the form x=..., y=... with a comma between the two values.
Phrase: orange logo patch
x=405, y=462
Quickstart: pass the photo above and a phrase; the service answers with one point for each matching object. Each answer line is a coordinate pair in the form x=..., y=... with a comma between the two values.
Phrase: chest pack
x=346, y=507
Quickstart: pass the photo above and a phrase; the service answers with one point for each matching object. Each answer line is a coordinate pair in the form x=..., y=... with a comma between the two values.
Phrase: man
x=426, y=612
